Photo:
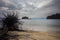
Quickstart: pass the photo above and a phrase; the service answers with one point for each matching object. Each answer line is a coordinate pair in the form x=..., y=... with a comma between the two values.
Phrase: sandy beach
x=34, y=35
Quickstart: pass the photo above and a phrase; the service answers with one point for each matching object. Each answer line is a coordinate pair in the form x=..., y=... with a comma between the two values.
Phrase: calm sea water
x=41, y=24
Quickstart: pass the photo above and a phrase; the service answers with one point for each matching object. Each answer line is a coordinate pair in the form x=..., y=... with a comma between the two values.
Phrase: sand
x=34, y=35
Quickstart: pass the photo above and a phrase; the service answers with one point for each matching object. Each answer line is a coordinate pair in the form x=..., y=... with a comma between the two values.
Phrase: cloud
x=32, y=8
x=7, y=4
x=51, y=8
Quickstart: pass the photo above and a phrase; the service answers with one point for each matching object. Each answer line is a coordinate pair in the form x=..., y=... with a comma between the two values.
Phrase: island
x=54, y=16
x=25, y=17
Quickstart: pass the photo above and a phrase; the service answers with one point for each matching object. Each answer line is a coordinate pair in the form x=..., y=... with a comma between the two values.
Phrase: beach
x=37, y=30
x=35, y=35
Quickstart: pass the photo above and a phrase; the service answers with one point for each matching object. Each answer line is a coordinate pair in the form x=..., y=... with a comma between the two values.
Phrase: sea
x=41, y=24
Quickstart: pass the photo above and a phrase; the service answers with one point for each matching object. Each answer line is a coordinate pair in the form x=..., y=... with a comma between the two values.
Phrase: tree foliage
x=11, y=21
x=54, y=16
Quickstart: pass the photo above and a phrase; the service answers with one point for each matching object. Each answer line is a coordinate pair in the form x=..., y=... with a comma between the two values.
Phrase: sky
x=31, y=8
